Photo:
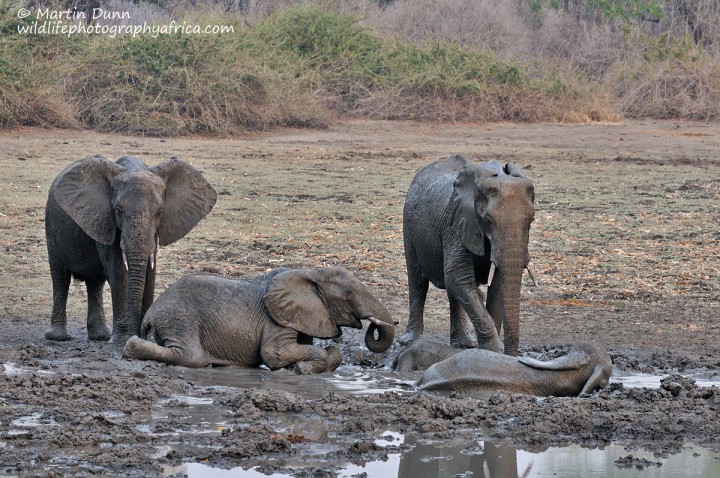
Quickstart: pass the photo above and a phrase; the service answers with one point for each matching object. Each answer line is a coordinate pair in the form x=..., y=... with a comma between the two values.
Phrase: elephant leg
x=58, y=318
x=462, y=332
x=193, y=356
x=418, y=289
x=471, y=300
x=149, y=294
x=118, y=291
x=319, y=360
x=96, y=326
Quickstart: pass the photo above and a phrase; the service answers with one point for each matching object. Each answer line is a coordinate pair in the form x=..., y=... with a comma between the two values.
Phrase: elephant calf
x=479, y=372
x=270, y=319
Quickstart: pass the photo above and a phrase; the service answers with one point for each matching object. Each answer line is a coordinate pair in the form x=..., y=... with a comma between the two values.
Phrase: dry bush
x=507, y=104
x=672, y=88
x=576, y=44
x=493, y=24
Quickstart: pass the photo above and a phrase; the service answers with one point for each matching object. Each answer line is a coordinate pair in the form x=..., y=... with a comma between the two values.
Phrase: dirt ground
x=625, y=245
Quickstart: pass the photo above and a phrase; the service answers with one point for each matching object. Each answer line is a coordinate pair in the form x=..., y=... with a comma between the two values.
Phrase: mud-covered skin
x=204, y=320
x=583, y=369
x=105, y=220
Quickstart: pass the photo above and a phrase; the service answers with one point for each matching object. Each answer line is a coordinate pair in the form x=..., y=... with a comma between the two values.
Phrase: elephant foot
x=334, y=358
x=132, y=346
x=319, y=365
x=56, y=332
x=98, y=331
x=463, y=341
x=409, y=337
x=493, y=345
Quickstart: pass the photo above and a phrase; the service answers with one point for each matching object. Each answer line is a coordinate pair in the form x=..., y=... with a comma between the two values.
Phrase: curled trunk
x=381, y=323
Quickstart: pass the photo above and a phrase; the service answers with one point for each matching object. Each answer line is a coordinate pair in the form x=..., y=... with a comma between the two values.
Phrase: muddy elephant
x=205, y=320
x=466, y=224
x=421, y=354
x=104, y=220
x=476, y=372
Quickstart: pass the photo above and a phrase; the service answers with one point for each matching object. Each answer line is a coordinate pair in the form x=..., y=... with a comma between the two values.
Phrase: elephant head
x=128, y=206
x=492, y=209
x=317, y=302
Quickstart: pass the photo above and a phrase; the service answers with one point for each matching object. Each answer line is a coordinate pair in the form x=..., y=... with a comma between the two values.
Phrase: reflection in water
x=483, y=460
x=489, y=459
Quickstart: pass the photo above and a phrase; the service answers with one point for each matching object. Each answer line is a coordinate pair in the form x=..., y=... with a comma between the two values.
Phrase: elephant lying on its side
x=270, y=319
x=478, y=372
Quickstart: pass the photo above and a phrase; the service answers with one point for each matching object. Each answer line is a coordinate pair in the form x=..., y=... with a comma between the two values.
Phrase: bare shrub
x=493, y=24
x=672, y=88
x=580, y=45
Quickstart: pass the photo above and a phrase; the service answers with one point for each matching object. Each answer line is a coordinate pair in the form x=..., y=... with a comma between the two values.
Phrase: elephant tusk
x=153, y=257
x=491, y=274
x=125, y=262
x=532, y=276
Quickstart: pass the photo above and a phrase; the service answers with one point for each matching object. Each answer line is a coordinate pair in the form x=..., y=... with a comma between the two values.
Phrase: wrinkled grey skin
x=204, y=320
x=460, y=217
x=104, y=220
x=421, y=354
x=477, y=372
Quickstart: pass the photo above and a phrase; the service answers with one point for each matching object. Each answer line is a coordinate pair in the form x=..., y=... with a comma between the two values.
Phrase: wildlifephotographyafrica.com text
x=45, y=21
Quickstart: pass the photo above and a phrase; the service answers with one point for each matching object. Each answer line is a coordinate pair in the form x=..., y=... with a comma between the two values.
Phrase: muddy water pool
x=438, y=458
x=407, y=456
x=498, y=460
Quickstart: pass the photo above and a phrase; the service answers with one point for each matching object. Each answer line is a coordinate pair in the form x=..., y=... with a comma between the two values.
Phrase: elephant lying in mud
x=478, y=372
x=104, y=220
x=271, y=319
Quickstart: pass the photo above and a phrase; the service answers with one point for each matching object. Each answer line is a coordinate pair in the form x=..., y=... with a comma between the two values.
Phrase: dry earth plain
x=625, y=244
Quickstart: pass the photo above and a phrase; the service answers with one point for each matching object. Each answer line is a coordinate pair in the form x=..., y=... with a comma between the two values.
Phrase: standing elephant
x=270, y=319
x=461, y=220
x=479, y=372
x=104, y=220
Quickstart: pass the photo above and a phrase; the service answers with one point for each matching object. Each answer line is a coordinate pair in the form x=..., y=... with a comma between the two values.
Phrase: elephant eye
x=349, y=294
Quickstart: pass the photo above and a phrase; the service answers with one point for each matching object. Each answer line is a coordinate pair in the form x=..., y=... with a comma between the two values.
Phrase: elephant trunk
x=503, y=303
x=382, y=322
x=137, y=272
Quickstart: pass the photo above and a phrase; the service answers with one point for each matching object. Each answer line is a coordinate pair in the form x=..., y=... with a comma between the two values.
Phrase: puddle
x=349, y=379
x=362, y=381
x=492, y=459
x=346, y=379
x=12, y=369
x=653, y=381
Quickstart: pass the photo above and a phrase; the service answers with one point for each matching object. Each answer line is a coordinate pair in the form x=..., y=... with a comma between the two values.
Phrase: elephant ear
x=188, y=199
x=464, y=219
x=83, y=191
x=293, y=301
x=513, y=170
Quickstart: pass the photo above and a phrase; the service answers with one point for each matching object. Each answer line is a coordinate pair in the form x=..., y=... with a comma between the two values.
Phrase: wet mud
x=624, y=243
